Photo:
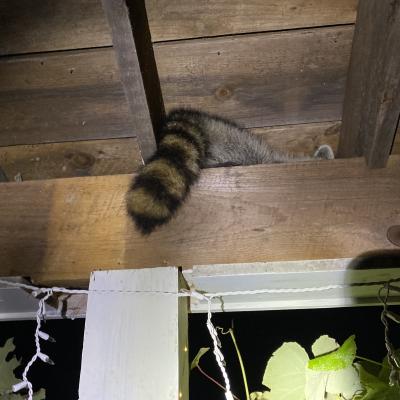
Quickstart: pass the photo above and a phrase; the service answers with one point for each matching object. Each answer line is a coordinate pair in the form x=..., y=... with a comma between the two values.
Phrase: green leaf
x=316, y=382
x=285, y=373
x=320, y=385
x=259, y=396
x=344, y=382
x=375, y=388
x=7, y=377
x=323, y=345
x=199, y=354
x=341, y=358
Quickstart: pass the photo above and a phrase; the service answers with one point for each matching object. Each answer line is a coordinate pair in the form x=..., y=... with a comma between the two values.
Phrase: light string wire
x=39, y=316
x=46, y=293
x=392, y=356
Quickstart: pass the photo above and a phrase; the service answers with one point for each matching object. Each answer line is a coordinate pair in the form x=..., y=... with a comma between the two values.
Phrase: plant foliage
x=332, y=374
x=7, y=377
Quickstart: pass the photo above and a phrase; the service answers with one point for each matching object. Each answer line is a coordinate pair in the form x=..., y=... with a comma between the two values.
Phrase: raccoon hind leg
x=324, y=152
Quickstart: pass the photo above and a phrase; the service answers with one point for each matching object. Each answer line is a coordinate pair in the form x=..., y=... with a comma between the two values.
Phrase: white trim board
x=290, y=274
x=16, y=304
x=135, y=344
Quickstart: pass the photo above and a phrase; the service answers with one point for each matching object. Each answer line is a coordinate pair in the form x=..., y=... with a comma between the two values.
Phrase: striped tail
x=163, y=184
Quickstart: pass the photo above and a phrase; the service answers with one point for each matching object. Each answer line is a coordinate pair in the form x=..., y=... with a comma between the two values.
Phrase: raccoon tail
x=163, y=184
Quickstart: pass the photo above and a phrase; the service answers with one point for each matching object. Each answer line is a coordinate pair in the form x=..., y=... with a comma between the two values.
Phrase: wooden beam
x=58, y=25
x=60, y=230
x=179, y=19
x=127, y=333
x=134, y=51
x=69, y=159
x=372, y=102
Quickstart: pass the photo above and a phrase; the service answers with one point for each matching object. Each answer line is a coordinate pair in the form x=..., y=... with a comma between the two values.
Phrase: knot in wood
x=223, y=93
x=81, y=160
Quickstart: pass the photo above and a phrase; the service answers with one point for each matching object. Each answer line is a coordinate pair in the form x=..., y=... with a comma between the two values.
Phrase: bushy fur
x=192, y=140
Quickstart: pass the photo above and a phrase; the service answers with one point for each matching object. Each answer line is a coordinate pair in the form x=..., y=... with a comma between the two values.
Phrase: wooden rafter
x=134, y=51
x=60, y=230
x=372, y=101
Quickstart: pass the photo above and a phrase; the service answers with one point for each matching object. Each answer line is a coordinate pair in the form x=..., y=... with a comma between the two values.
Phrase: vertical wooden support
x=135, y=344
x=372, y=101
x=134, y=50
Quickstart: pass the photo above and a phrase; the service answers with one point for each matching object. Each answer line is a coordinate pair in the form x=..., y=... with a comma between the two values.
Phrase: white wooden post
x=135, y=344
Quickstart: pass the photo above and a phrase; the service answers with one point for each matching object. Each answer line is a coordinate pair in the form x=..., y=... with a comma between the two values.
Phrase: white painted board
x=283, y=275
x=135, y=344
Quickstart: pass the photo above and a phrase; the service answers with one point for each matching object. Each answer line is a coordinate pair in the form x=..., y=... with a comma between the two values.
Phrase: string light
x=46, y=293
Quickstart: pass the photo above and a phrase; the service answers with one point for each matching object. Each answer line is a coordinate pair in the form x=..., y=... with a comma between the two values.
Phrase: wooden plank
x=127, y=334
x=60, y=230
x=61, y=97
x=138, y=71
x=372, y=105
x=288, y=78
x=301, y=138
x=177, y=19
x=28, y=26
x=260, y=79
x=68, y=159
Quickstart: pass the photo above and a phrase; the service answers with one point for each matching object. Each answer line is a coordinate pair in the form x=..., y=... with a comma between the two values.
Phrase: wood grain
x=60, y=230
x=28, y=26
x=137, y=67
x=57, y=97
x=69, y=159
x=260, y=79
x=301, y=138
x=305, y=138
x=177, y=19
x=372, y=106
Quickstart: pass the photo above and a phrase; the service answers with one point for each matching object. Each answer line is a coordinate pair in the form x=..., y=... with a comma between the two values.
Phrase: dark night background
x=258, y=335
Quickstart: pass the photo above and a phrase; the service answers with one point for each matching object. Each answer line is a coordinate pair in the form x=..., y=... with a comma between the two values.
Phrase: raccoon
x=191, y=140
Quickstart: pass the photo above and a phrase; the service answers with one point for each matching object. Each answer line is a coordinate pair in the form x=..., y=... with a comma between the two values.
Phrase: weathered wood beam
x=372, y=101
x=68, y=159
x=134, y=50
x=84, y=91
x=259, y=79
x=60, y=230
x=79, y=24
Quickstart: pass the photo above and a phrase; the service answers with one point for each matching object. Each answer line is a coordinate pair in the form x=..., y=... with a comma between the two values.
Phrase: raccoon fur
x=192, y=140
